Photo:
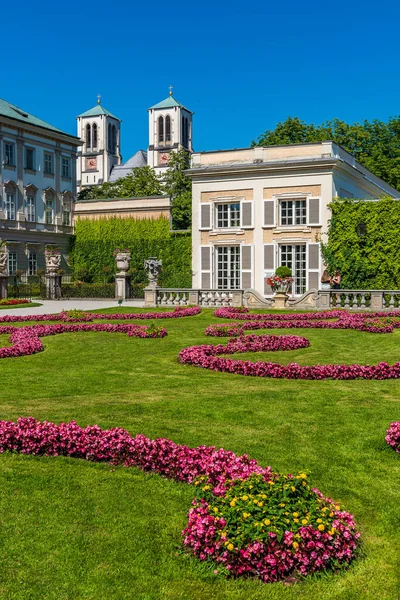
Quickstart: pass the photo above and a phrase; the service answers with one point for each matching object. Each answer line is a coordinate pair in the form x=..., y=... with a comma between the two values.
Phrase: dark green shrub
x=283, y=272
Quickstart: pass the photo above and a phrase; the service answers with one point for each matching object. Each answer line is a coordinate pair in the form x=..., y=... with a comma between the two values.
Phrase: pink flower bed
x=176, y=313
x=393, y=436
x=377, y=322
x=208, y=357
x=307, y=549
x=26, y=340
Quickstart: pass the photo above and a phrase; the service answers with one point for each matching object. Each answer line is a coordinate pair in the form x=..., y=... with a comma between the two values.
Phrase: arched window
x=109, y=140
x=49, y=206
x=167, y=128
x=88, y=137
x=94, y=135
x=114, y=139
x=160, y=129
x=10, y=195
x=30, y=200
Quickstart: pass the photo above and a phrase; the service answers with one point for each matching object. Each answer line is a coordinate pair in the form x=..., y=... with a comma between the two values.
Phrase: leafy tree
x=143, y=181
x=375, y=144
x=179, y=186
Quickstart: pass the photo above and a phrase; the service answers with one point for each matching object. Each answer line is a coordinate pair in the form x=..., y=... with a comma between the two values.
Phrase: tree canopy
x=375, y=144
x=143, y=181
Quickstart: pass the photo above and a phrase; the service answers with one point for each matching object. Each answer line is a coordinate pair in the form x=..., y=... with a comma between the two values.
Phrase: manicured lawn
x=77, y=530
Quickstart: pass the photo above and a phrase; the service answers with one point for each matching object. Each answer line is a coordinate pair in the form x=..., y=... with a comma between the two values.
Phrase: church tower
x=170, y=128
x=100, y=132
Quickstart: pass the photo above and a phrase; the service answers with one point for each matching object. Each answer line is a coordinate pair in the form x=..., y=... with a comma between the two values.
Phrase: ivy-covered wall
x=91, y=256
x=370, y=260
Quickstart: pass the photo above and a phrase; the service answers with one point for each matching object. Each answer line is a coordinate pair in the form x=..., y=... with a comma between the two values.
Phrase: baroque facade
x=37, y=187
x=258, y=208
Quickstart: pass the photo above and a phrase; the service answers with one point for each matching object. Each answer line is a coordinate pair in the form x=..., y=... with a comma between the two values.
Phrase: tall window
x=30, y=159
x=9, y=154
x=114, y=139
x=66, y=167
x=294, y=257
x=167, y=128
x=160, y=130
x=66, y=218
x=48, y=163
x=10, y=206
x=49, y=211
x=110, y=148
x=228, y=267
x=32, y=263
x=31, y=209
x=293, y=212
x=88, y=137
x=94, y=134
x=228, y=215
x=12, y=263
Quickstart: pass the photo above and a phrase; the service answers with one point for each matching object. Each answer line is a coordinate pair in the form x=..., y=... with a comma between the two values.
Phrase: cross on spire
x=98, y=99
x=170, y=90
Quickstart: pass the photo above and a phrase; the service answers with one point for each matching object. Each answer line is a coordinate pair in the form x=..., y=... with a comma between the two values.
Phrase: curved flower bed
x=62, y=316
x=26, y=340
x=13, y=302
x=248, y=519
x=393, y=435
x=208, y=357
x=377, y=322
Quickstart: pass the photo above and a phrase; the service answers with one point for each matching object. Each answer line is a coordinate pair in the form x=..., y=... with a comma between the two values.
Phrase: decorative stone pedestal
x=280, y=300
x=3, y=287
x=121, y=286
x=123, y=260
x=53, y=286
x=150, y=296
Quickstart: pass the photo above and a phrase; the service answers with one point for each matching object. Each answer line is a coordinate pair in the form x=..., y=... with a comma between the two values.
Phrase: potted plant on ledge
x=281, y=284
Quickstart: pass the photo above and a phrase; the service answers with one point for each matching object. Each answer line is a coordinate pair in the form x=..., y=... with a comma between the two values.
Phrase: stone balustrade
x=186, y=297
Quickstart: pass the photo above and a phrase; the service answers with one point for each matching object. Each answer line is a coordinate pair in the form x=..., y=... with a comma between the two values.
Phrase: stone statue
x=53, y=261
x=153, y=268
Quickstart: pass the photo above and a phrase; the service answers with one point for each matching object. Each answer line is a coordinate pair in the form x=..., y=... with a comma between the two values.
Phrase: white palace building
x=255, y=209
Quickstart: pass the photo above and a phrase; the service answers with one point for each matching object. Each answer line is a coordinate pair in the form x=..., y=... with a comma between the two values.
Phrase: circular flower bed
x=251, y=521
x=393, y=435
x=209, y=357
x=270, y=528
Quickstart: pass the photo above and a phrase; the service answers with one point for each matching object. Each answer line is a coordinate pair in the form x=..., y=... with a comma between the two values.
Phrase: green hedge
x=369, y=261
x=95, y=240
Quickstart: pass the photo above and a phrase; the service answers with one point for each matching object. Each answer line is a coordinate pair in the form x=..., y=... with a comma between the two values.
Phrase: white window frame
x=9, y=204
x=12, y=263
x=31, y=208
x=66, y=167
x=9, y=154
x=66, y=211
x=293, y=200
x=220, y=204
x=47, y=205
x=48, y=161
x=32, y=263
x=238, y=253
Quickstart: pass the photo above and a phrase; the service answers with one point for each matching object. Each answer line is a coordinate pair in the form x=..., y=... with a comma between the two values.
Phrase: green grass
x=76, y=530
x=26, y=305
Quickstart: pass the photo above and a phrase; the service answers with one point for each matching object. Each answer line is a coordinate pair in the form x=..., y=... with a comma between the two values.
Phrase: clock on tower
x=164, y=158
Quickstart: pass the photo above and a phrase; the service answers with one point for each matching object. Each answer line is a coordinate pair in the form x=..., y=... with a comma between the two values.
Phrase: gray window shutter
x=313, y=251
x=314, y=216
x=205, y=267
x=205, y=216
x=247, y=214
x=269, y=213
x=269, y=266
x=247, y=266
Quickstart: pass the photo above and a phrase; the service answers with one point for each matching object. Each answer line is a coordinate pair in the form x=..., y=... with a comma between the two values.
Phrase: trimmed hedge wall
x=91, y=256
x=370, y=260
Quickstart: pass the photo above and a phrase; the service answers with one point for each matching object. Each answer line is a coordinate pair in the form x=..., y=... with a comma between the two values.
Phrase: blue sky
x=241, y=67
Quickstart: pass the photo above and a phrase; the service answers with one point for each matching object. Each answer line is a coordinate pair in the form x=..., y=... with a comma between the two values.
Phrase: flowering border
x=13, y=302
x=393, y=436
x=63, y=315
x=314, y=549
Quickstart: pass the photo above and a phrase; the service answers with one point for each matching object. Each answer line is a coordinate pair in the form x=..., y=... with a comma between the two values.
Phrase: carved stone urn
x=3, y=263
x=53, y=261
x=123, y=260
x=153, y=267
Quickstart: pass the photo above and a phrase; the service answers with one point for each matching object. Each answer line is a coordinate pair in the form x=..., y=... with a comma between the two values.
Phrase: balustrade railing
x=367, y=299
x=186, y=297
